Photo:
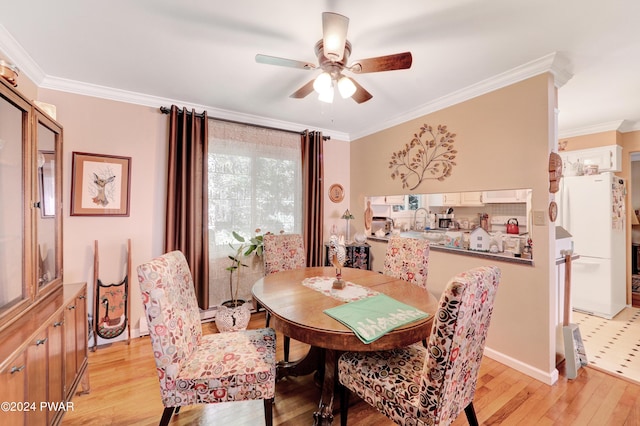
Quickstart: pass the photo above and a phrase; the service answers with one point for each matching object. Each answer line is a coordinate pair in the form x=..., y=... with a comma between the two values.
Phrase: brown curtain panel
x=312, y=196
x=186, y=227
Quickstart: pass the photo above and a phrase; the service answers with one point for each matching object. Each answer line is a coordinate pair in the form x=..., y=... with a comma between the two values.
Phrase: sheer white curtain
x=254, y=183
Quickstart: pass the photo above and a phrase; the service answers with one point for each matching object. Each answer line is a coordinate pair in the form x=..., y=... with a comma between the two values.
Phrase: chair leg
x=268, y=412
x=287, y=345
x=166, y=415
x=344, y=404
x=268, y=317
x=471, y=415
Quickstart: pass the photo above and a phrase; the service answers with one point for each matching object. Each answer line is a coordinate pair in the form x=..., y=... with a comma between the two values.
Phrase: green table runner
x=373, y=317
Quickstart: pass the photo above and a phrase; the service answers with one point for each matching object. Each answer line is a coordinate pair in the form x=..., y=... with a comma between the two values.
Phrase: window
x=254, y=183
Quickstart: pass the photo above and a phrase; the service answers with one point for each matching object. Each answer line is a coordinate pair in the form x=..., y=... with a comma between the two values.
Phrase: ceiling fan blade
x=274, y=60
x=303, y=91
x=334, y=35
x=361, y=95
x=398, y=61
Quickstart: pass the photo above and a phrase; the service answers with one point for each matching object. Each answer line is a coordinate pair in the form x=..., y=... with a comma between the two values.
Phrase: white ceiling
x=201, y=54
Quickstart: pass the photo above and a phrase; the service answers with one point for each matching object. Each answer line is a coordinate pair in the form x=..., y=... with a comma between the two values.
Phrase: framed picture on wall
x=100, y=185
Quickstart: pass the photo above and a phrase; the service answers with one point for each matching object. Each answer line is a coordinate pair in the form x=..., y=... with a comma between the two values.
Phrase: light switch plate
x=539, y=218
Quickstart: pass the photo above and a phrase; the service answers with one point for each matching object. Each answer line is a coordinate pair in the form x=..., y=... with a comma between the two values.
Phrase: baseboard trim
x=549, y=378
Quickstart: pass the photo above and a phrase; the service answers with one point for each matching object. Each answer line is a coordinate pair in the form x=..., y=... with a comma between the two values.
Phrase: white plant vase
x=233, y=319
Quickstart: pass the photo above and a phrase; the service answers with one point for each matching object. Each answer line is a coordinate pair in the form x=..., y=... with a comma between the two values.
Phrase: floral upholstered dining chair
x=283, y=252
x=194, y=368
x=407, y=259
x=429, y=386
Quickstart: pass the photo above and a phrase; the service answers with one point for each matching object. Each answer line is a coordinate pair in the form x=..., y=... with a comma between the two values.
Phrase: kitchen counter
x=459, y=251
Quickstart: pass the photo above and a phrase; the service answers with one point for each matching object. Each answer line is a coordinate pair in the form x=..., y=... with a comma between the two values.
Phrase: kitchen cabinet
x=455, y=199
x=505, y=196
x=473, y=198
x=43, y=357
x=55, y=362
x=388, y=200
x=607, y=158
x=13, y=379
x=75, y=337
x=31, y=197
x=451, y=199
x=37, y=377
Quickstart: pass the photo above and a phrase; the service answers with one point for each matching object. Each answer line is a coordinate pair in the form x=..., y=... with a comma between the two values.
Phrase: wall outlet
x=539, y=218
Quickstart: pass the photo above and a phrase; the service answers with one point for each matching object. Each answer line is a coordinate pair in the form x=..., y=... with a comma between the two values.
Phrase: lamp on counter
x=347, y=216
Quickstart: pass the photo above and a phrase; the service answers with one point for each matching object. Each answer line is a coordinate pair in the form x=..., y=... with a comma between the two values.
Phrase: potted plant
x=234, y=314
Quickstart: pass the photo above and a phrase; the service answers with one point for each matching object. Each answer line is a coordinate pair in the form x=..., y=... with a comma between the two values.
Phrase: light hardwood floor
x=124, y=391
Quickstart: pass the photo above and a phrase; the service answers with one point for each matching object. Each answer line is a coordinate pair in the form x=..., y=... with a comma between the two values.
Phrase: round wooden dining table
x=297, y=310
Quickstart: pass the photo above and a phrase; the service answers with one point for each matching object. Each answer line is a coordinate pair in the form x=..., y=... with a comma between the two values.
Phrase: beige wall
x=503, y=141
x=336, y=170
x=105, y=127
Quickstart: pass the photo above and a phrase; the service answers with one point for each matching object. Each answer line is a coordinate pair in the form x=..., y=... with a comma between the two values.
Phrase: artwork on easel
x=111, y=308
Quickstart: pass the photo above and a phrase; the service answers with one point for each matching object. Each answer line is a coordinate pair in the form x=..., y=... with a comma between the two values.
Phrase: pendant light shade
x=322, y=82
x=346, y=87
x=326, y=95
x=334, y=30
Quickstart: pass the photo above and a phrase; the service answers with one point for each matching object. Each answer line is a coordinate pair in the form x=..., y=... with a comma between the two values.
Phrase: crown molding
x=554, y=63
x=119, y=95
x=17, y=55
x=622, y=126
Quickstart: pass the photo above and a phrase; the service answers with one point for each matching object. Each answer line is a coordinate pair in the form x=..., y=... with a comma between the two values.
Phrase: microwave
x=380, y=222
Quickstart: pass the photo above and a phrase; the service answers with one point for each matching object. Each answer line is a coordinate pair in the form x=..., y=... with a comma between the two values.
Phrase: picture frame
x=100, y=185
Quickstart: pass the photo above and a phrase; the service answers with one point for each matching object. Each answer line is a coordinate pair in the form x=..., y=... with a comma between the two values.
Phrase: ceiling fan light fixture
x=334, y=30
x=322, y=82
x=346, y=87
x=326, y=95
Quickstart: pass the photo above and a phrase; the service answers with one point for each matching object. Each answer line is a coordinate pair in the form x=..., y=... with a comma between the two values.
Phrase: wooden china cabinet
x=43, y=323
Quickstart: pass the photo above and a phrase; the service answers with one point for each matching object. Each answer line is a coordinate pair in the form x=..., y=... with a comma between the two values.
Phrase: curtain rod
x=166, y=110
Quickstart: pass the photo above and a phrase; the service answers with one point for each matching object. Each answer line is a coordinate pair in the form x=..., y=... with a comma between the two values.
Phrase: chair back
x=283, y=252
x=456, y=344
x=172, y=312
x=407, y=259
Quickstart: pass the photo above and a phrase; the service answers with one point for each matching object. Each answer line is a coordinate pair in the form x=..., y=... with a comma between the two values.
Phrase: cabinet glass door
x=48, y=157
x=15, y=199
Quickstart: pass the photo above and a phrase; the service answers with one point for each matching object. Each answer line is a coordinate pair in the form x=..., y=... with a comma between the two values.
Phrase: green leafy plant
x=253, y=245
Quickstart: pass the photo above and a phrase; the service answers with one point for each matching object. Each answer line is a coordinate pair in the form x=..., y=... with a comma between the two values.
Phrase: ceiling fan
x=333, y=55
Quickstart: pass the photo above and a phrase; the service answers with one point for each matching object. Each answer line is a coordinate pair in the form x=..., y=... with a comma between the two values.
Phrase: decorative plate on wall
x=336, y=193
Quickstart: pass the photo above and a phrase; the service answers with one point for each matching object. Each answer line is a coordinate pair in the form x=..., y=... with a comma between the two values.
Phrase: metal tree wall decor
x=429, y=155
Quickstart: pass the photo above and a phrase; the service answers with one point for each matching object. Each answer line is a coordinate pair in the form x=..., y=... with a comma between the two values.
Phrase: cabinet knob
x=36, y=204
x=84, y=296
x=72, y=307
x=58, y=323
x=41, y=341
x=15, y=369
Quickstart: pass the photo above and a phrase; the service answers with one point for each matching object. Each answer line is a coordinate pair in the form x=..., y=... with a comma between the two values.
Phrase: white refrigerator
x=592, y=209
